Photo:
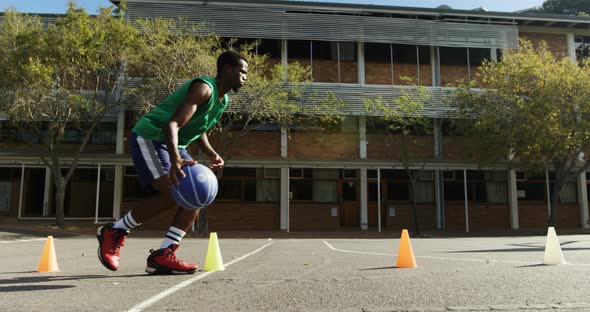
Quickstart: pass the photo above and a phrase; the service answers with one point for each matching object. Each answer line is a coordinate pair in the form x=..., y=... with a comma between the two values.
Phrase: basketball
x=197, y=189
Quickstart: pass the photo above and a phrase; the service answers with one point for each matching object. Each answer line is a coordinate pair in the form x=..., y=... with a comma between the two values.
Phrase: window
x=330, y=61
x=268, y=187
x=582, y=47
x=378, y=65
x=325, y=185
x=250, y=184
x=477, y=58
x=453, y=66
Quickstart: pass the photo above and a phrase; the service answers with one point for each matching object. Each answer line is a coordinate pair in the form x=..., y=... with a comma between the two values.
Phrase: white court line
x=447, y=258
x=177, y=287
x=23, y=240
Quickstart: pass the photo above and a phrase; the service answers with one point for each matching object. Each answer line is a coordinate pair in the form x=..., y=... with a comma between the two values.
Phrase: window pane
x=268, y=190
x=348, y=62
x=301, y=189
x=425, y=75
x=324, y=66
x=424, y=192
x=568, y=194
x=230, y=189
x=250, y=190
x=405, y=64
x=453, y=65
x=349, y=190
x=325, y=191
x=532, y=190
x=378, y=66
x=398, y=190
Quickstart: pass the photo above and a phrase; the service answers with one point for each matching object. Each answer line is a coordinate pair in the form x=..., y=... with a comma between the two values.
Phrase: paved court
x=454, y=274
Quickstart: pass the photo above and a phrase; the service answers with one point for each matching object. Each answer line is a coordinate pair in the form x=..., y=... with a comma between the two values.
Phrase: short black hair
x=229, y=57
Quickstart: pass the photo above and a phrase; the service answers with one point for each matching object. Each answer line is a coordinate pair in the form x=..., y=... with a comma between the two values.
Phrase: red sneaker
x=164, y=261
x=110, y=242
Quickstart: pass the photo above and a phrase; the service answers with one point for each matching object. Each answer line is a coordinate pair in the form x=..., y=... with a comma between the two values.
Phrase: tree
x=569, y=7
x=536, y=109
x=62, y=77
x=405, y=118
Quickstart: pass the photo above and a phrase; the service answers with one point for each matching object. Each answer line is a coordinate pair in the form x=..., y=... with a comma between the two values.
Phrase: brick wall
x=458, y=148
x=451, y=75
x=455, y=217
x=312, y=217
x=387, y=147
x=557, y=42
x=323, y=146
x=221, y=216
x=403, y=216
x=256, y=145
x=378, y=73
x=532, y=215
x=535, y=216
x=66, y=149
x=325, y=71
x=568, y=216
x=243, y=216
x=482, y=216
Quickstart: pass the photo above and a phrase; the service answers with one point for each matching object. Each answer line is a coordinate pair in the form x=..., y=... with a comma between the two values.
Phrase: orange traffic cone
x=48, y=259
x=405, y=255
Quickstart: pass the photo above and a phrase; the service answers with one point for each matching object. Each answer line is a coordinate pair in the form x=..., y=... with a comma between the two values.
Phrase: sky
x=59, y=6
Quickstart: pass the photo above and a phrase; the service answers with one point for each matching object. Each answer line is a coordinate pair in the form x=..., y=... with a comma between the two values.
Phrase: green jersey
x=151, y=125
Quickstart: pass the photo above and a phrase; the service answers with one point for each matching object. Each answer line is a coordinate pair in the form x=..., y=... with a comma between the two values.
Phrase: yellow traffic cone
x=553, y=254
x=48, y=261
x=213, y=261
x=405, y=255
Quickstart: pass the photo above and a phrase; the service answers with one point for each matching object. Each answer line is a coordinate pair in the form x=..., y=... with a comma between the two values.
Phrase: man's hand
x=216, y=162
x=175, y=170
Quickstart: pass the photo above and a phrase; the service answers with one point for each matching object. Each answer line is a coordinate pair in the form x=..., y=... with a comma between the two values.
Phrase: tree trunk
x=59, y=202
x=414, y=208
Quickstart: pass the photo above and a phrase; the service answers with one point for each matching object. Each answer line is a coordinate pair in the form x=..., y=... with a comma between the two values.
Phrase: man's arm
x=216, y=161
x=198, y=93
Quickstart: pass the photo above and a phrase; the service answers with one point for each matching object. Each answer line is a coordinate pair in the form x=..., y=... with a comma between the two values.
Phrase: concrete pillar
x=364, y=200
x=438, y=176
x=362, y=137
x=571, y=46
x=360, y=47
x=513, y=199
x=284, y=142
x=285, y=199
x=583, y=200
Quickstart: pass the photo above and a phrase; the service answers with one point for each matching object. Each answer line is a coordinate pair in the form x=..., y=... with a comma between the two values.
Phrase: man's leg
x=163, y=260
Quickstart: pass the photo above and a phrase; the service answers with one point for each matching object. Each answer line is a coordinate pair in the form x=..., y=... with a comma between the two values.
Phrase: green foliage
x=536, y=109
x=533, y=107
x=405, y=115
x=60, y=76
x=569, y=7
x=62, y=73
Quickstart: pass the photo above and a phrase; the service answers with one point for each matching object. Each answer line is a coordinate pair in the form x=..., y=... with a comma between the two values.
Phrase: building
x=347, y=179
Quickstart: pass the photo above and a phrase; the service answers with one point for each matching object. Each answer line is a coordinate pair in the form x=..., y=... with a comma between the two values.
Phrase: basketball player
x=158, y=150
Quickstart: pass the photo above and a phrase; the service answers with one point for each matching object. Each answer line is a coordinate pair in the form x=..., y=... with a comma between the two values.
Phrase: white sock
x=173, y=236
x=126, y=223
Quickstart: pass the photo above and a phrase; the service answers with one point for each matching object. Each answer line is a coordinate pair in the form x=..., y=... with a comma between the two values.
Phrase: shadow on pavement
x=34, y=287
x=55, y=278
x=381, y=268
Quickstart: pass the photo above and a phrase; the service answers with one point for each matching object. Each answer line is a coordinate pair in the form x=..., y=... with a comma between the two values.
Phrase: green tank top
x=151, y=125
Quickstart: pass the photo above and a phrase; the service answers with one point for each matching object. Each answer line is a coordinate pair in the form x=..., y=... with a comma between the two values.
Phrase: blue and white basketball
x=197, y=189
